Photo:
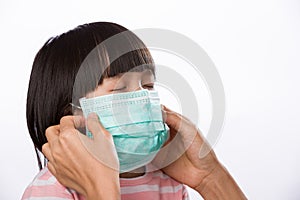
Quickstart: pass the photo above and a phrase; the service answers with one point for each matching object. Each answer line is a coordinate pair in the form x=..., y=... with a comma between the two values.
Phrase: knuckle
x=64, y=119
x=67, y=135
x=48, y=132
x=45, y=147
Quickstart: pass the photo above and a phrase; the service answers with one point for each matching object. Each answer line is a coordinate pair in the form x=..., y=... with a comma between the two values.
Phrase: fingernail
x=93, y=116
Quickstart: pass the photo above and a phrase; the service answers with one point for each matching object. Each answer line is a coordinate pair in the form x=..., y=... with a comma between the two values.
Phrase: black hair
x=62, y=61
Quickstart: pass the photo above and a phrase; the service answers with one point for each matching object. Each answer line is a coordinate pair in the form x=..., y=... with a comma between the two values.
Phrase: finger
x=95, y=126
x=47, y=151
x=176, y=121
x=71, y=122
x=173, y=130
x=170, y=152
x=102, y=146
x=187, y=130
x=52, y=133
x=51, y=168
x=163, y=112
x=102, y=149
x=173, y=120
x=166, y=109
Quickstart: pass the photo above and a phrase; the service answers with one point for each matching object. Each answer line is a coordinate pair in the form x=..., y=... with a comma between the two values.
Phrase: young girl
x=51, y=96
x=68, y=72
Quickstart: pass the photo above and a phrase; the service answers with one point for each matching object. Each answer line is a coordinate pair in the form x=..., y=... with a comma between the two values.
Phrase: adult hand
x=181, y=152
x=89, y=166
x=188, y=158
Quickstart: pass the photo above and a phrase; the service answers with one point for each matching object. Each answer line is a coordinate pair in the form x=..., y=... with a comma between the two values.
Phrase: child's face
x=125, y=82
x=128, y=129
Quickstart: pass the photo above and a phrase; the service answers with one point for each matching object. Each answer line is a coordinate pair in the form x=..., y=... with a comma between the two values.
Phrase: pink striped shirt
x=152, y=185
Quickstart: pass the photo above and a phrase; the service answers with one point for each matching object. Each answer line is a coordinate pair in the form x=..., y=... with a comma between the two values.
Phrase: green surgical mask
x=135, y=121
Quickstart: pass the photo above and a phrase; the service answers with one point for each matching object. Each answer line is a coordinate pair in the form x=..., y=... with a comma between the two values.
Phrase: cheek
x=99, y=91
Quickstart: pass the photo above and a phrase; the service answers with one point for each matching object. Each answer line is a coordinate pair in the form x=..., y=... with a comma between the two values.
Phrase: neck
x=134, y=173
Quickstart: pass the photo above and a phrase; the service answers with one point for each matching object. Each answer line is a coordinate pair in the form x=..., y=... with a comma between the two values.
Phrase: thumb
x=178, y=123
x=171, y=118
x=95, y=127
x=101, y=146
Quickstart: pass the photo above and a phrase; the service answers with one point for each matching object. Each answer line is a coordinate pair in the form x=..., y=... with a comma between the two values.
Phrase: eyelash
x=144, y=86
x=148, y=86
x=119, y=89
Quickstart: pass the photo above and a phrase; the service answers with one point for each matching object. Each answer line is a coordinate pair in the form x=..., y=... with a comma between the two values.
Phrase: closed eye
x=148, y=86
x=118, y=89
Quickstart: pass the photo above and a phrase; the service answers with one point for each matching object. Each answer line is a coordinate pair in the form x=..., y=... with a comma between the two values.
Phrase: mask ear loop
x=140, y=85
x=75, y=106
x=78, y=110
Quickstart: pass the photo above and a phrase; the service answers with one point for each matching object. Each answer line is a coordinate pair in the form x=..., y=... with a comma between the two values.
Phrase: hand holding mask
x=134, y=119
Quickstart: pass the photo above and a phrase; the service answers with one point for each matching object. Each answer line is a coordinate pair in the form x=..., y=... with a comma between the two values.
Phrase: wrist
x=219, y=185
x=106, y=186
x=110, y=190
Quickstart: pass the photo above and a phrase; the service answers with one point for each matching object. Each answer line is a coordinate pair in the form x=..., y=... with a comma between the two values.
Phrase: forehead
x=127, y=76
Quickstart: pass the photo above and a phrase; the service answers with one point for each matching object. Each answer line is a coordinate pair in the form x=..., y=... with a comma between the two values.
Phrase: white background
x=254, y=44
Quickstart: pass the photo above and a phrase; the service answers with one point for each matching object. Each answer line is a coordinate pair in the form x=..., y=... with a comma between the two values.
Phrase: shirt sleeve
x=46, y=187
x=185, y=195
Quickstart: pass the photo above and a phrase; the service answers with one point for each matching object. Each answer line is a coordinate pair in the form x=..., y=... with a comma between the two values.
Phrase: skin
x=127, y=82
x=76, y=161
